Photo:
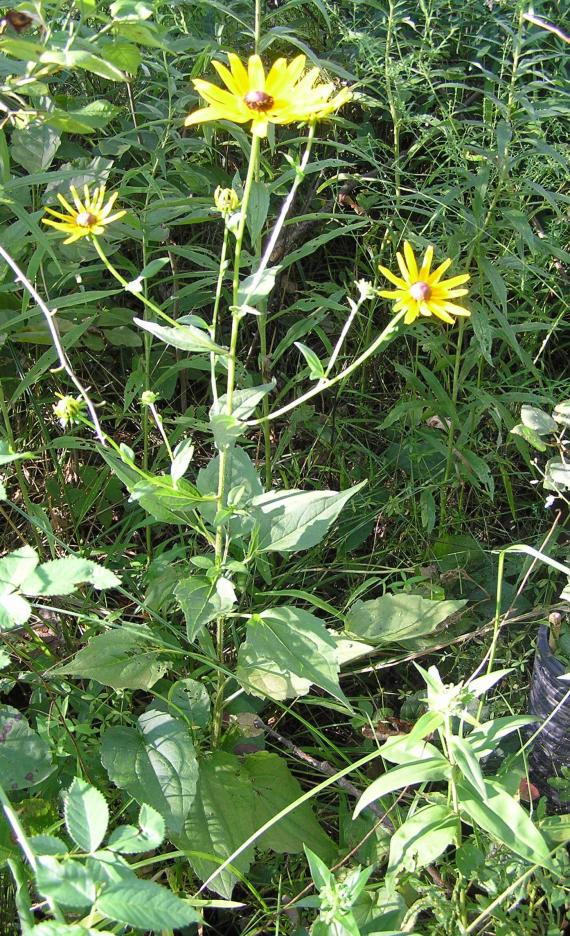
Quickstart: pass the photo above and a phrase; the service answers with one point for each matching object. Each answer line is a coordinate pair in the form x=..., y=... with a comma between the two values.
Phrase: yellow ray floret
x=285, y=95
x=86, y=217
x=421, y=291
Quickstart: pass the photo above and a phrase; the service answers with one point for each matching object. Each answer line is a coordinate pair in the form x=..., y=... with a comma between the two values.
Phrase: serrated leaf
x=185, y=337
x=122, y=659
x=66, y=882
x=145, y=905
x=398, y=618
x=203, y=601
x=25, y=758
x=294, y=520
x=130, y=840
x=48, y=845
x=286, y=651
x=86, y=815
x=156, y=764
x=14, y=611
x=62, y=576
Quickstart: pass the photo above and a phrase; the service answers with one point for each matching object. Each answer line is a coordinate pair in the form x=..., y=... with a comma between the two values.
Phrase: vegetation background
x=457, y=136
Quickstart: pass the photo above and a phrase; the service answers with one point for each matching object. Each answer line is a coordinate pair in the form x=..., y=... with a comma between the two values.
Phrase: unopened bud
x=226, y=200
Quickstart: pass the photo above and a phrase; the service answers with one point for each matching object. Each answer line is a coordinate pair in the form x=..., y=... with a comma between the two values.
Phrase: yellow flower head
x=89, y=216
x=421, y=292
x=285, y=95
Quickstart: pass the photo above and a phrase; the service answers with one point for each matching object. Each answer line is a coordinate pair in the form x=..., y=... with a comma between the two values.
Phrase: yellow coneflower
x=89, y=216
x=422, y=292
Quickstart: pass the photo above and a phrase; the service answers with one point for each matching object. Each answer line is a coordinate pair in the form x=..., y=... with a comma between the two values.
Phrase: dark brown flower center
x=86, y=219
x=258, y=101
x=420, y=291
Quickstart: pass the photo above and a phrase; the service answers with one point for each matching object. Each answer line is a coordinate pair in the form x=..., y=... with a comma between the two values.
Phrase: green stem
x=125, y=284
x=23, y=901
x=325, y=383
x=230, y=387
x=218, y=296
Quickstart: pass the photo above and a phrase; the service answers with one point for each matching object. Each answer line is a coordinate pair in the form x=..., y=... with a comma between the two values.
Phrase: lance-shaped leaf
x=203, y=601
x=185, y=337
x=432, y=768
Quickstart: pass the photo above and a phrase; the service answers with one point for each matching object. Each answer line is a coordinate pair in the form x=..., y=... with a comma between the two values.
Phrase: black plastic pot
x=551, y=748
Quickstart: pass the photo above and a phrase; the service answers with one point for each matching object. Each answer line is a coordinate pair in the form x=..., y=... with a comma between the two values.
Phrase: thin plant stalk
x=217, y=298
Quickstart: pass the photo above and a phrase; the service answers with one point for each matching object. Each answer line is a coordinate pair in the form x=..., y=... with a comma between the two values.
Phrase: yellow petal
x=391, y=293
x=58, y=214
x=411, y=261
x=426, y=263
x=66, y=205
x=256, y=74
x=403, y=268
x=441, y=313
x=402, y=284
x=437, y=274
x=411, y=316
x=214, y=95
x=105, y=211
x=455, y=281
x=115, y=217
x=239, y=72
x=228, y=79
x=202, y=115
x=277, y=78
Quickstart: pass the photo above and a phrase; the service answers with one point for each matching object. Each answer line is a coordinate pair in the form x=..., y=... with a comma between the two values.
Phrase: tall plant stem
x=230, y=387
x=214, y=325
x=126, y=285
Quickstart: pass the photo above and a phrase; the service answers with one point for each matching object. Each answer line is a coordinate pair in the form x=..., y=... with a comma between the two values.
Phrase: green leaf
x=17, y=566
x=203, y=601
x=52, y=928
x=244, y=402
x=189, y=698
x=62, y=576
x=8, y=455
x=316, y=369
x=79, y=58
x=557, y=475
x=86, y=815
x=67, y=882
x=121, y=658
x=467, y=762
x=14, y=610
x=485, y=737
x=25, y=758
x=182, y=456
x=254, y=288
x=242, y=483
x=34, y=147
x=530, y=436
x=93, y=116
x=537, y=420
x=286, y=651
x=156, y=764
x=168, y=500
x=257, y=209
x=185, y=337
x=130, y=840
x=294, y=520
x=561, y=413
x=433, y=768
x=48, y=845
x=146, y=906
x=398, y=618
x=504, y=818
x=423, y=837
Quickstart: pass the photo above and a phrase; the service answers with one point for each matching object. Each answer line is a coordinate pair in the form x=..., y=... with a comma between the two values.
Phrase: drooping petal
x=214, y=95
x=410, y=316
x=203, y=115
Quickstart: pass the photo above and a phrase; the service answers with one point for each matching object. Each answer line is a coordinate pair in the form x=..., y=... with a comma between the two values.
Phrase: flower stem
x=224, y=453
x=125, y=284
x=214, y=325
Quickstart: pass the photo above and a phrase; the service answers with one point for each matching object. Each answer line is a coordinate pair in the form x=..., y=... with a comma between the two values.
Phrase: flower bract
x=421, y=291
x=86, y=217
x=287, y=94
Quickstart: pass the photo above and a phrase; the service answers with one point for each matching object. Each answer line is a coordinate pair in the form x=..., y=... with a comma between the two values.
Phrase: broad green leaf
x=254, y=288
x=242, y=484
x=561, y=413
x=538, y=420
x=203, y=601
x=257, y=209
x=505, y=819
x=79, y=58
x=8, y=455
x=244, y=402
x=464, y=757
x=182, y=456
x=226, y=430
x=25, y=758
x=122, y=659
x=17, y=566
x=398, y=618
x=191, y=699
x=221, y=818
x=423, y=837
x=557, y=475
x=34, y=147
x=62, y=576
x=556, y=829
x=285, y=652
x=14, y=610
x=294, y=520
x=404, y=749
x=433, y=768
x=185, y=337
x=275, y=787
x=130, y=840
x=93, y=116
x=156, y=764
x=48, y=845
x=67, y=882
x=481, y=684
x=530, y=436
x=86, y=815
x=165, y=499
x=146, y=906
